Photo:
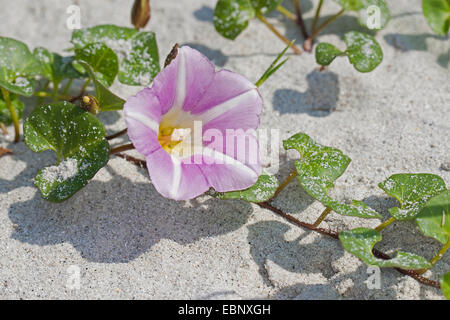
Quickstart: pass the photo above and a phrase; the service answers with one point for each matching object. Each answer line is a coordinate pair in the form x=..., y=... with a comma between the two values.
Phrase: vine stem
x=322, y=217
x=139, y=162
x=385, y=224
x=335, y=235
x=285, y=12
x=118, y=134
x=3, y=128
x=299, y=20
x=308, y=43
x=438, y=256
x=124, y=147
x=285, y=183
x=441, y=253
x=67, y=87
x=14, y=116
x=279, y=35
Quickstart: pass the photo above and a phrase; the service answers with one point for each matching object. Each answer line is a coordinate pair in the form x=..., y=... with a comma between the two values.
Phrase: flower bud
x=140, y=14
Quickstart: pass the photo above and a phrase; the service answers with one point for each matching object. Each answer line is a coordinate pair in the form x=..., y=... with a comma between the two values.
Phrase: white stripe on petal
x=176, y=177
x=225, y=159
x=220, y=109
x=146, y=121
x=180, y=89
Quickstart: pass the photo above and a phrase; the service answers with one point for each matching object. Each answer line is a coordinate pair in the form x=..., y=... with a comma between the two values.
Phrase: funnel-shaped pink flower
x=184, y=159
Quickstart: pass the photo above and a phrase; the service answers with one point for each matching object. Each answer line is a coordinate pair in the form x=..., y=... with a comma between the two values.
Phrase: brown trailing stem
x=136, y=161
x=335, y=235
x=307, y=46
x=330, y=233
x=300, y=22
x=78, y=97
x=118, y=134
x=279, y=35
x=5, y=151
x=125, y=147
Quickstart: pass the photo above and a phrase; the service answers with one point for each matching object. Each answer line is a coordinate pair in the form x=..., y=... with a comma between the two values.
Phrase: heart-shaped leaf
x=102, y=60
x=107, y=100
x=17, y=67
x=412, y=190
x=318, y=168
x=262, y=190
x=445, y=285
x=265, y=6
x=56, y=67
x=77, y=137
x=363, y=51
x=360, y=242
x=231, y=17
x=5, y=114
x=434, y=218
x=137, y=51
x=437, y=13
x=326, y=53
x=373, y=14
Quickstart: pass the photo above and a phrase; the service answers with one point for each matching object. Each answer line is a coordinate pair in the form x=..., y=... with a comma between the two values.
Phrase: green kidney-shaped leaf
x=262, y=190
x=326, y=53
x=445, y=285
x=360, y=243
x=363, y=51
x=17, y=67
x=102, y=60
x=142, y=63
x=77, y=137
x=265, y=6
x=434, y=218
x=137, y=51
x=5, y=114
x=412, y=190
x=231, y=17
x=437, y=13
x=56, y=67
x=319, y=166
x=107, y=100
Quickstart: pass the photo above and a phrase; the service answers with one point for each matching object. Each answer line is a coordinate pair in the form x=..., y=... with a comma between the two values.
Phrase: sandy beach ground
x=128, y=242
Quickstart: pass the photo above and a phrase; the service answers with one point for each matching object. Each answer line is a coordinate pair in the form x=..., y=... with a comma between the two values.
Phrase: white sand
x=129, y=242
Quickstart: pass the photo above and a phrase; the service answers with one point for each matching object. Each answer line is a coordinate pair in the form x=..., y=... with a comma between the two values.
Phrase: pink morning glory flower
x=196, y=128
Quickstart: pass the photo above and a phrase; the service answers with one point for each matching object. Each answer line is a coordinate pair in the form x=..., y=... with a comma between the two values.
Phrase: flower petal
x=183, y=82
x=225, y=173
x=174, y=179
x=228, y=163
x=142, y=116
